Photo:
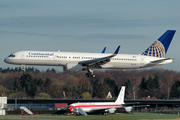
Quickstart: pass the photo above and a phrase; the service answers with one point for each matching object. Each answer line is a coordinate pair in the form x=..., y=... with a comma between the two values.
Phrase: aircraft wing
x=96, y=109
x=107, y=108
x=162, y=60
x=134, y=106
x=119, y=107
x=81, y=111
x=99, y=61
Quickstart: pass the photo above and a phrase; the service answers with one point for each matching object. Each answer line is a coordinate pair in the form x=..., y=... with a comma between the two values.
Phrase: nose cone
x=6, y=60
x=68, y=108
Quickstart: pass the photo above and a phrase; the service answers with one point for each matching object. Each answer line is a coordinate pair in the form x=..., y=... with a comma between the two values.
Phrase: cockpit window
x=11, y=55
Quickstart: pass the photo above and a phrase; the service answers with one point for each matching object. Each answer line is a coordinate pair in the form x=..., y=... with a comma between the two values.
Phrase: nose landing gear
x=23, y=69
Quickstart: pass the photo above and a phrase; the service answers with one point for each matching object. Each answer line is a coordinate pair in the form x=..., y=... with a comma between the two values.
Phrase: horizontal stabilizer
x=133, y=103
x=162, y=60
x=141, y=106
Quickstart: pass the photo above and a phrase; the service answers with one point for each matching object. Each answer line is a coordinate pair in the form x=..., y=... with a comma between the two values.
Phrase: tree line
x=19, y=69
x=156, y=83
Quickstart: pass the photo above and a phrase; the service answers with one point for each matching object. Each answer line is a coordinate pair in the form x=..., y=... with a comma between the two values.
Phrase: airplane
x=102, y=107
x=79, y=61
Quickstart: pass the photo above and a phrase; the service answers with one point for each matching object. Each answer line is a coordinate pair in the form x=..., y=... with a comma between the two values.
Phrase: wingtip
x=117, y=50
x=104, y=50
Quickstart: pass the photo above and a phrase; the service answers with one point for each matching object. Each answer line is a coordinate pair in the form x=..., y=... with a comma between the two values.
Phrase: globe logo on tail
x=155, y=50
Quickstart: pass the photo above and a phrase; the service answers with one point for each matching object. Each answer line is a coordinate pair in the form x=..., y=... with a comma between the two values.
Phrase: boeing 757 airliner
x=76, y=61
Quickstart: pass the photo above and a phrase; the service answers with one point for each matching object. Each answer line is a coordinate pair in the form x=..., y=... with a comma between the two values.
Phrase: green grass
x=92, y=117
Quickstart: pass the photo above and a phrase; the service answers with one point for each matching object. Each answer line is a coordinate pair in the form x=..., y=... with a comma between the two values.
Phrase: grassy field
x=93, y=117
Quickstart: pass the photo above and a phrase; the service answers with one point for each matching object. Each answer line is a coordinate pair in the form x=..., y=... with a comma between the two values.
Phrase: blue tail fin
x=160, y=46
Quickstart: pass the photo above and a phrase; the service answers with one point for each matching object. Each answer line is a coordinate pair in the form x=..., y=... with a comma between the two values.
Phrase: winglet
x=117, y=50
x=104, y=50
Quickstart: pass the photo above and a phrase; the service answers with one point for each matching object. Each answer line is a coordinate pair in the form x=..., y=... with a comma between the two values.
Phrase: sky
x=87, y=26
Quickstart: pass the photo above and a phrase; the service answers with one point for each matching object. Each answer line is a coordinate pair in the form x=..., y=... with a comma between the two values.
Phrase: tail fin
x=160, y=46
x=120, y=99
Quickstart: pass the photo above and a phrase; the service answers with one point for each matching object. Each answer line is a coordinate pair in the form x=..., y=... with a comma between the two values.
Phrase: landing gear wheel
x=93, y=76
x=89, y=75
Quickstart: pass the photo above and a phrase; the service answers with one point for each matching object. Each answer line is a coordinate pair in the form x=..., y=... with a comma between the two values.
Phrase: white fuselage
x=47, y=58
x=93, y=106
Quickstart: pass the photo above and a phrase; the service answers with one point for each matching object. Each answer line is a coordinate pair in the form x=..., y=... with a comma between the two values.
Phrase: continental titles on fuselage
x=47, y=54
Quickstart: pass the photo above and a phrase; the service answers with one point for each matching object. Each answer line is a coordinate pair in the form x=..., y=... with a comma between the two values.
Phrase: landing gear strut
x=90, y=73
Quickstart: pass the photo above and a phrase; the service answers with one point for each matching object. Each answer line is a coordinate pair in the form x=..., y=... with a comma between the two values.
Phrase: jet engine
x=73, y=67
x=128, y=109
x=112, y=110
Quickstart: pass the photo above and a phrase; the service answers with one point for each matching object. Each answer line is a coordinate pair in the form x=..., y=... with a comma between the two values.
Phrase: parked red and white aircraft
x=104, y=107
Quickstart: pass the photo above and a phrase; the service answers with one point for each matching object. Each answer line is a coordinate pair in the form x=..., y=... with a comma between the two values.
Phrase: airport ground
x=94, y=117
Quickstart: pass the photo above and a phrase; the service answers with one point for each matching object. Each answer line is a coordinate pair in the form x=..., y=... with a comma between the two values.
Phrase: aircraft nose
x=6, y=60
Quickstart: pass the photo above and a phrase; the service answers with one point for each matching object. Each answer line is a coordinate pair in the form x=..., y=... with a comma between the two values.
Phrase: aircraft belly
x=122, y=66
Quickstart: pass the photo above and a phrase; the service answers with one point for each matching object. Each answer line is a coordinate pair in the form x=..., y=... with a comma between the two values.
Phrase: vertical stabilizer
x=160, y=46
x=120, y=99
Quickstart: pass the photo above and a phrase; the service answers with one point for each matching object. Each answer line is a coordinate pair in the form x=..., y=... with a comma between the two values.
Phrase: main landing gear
x=90, y=73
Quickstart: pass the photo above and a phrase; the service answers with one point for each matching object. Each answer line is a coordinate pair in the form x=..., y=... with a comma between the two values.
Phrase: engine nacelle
x=128, y=109
x=112, y=110
x=73, y=67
